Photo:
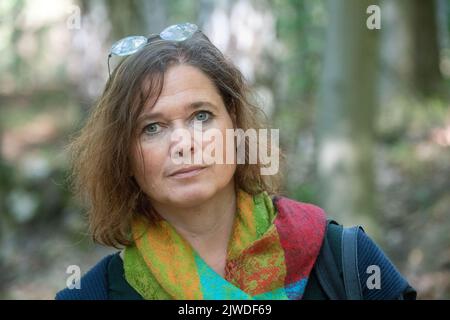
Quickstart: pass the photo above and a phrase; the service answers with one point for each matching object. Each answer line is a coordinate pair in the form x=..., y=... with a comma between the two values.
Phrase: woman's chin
x=189, y=196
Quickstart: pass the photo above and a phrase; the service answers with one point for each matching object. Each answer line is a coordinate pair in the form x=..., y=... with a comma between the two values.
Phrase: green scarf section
x=163, y=265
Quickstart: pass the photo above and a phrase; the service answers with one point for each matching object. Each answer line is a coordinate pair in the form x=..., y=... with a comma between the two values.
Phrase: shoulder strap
x=327, y=270
x=350, y=271
x=340, y=281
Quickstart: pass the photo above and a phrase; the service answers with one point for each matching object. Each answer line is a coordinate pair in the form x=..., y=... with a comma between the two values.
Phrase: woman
x=208, y=230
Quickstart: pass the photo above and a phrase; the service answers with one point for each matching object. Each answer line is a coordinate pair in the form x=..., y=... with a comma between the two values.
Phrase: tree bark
x=345, y=115
x=410, y=48
x=427, y=75
x=136, y=17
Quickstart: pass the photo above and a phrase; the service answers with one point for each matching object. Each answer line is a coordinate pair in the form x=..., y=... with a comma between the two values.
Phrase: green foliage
x=307, y=192
x=183, y=11
x=301, y=29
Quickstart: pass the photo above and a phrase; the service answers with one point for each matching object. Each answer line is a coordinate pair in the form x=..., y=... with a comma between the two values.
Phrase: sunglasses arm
x=109, y=69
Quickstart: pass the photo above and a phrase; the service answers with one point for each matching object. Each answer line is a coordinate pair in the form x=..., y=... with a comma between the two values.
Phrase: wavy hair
x=100, y=152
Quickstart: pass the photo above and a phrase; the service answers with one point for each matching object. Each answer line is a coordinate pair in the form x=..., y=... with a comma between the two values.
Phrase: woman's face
x=166, y=130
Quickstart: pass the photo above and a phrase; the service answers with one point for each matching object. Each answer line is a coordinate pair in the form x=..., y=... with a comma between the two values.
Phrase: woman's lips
x=187, y=174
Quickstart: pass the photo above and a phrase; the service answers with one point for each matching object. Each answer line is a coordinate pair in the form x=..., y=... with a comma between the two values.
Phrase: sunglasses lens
x=128, y=45
x=179, y=32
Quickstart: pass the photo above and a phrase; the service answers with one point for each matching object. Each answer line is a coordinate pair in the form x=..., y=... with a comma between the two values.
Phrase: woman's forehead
x=184, y=87
x=185, y=78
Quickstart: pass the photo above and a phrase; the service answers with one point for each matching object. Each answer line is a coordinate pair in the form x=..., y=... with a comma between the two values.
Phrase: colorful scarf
x=270, y=255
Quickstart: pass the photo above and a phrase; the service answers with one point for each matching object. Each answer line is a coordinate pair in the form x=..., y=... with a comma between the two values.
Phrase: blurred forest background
x=364, y=118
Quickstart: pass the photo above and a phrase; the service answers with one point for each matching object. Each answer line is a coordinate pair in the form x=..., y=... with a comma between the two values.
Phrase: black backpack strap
x=327, y=270
x=336, y=266
x=350, y=271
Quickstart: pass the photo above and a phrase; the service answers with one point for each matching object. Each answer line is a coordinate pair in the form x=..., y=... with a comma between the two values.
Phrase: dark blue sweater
x=95, y=286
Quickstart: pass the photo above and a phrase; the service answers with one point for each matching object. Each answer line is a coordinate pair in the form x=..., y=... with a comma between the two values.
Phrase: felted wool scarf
x=270, y=254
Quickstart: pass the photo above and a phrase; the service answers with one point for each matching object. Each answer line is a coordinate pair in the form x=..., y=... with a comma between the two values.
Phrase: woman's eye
x=152, y=128
x=203, y=116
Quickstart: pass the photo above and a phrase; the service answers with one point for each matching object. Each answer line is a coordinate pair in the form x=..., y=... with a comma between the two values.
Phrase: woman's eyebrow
x=192, y=106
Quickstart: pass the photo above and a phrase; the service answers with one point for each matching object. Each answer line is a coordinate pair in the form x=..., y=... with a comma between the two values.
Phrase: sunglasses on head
x=132, y=44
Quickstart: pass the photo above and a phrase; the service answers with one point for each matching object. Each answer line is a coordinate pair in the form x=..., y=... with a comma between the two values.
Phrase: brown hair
x=100, y=153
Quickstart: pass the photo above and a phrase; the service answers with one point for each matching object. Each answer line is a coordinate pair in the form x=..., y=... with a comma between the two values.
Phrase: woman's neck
x=208, y=226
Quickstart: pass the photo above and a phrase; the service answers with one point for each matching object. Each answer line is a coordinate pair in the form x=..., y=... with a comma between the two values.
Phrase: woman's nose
x=183, y=144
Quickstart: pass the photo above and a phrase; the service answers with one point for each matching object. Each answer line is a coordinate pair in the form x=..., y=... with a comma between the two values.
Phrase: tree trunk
x=427, y=75
x=2, y=224
x=410, y=48
x=136, y=17
x=345, y=115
